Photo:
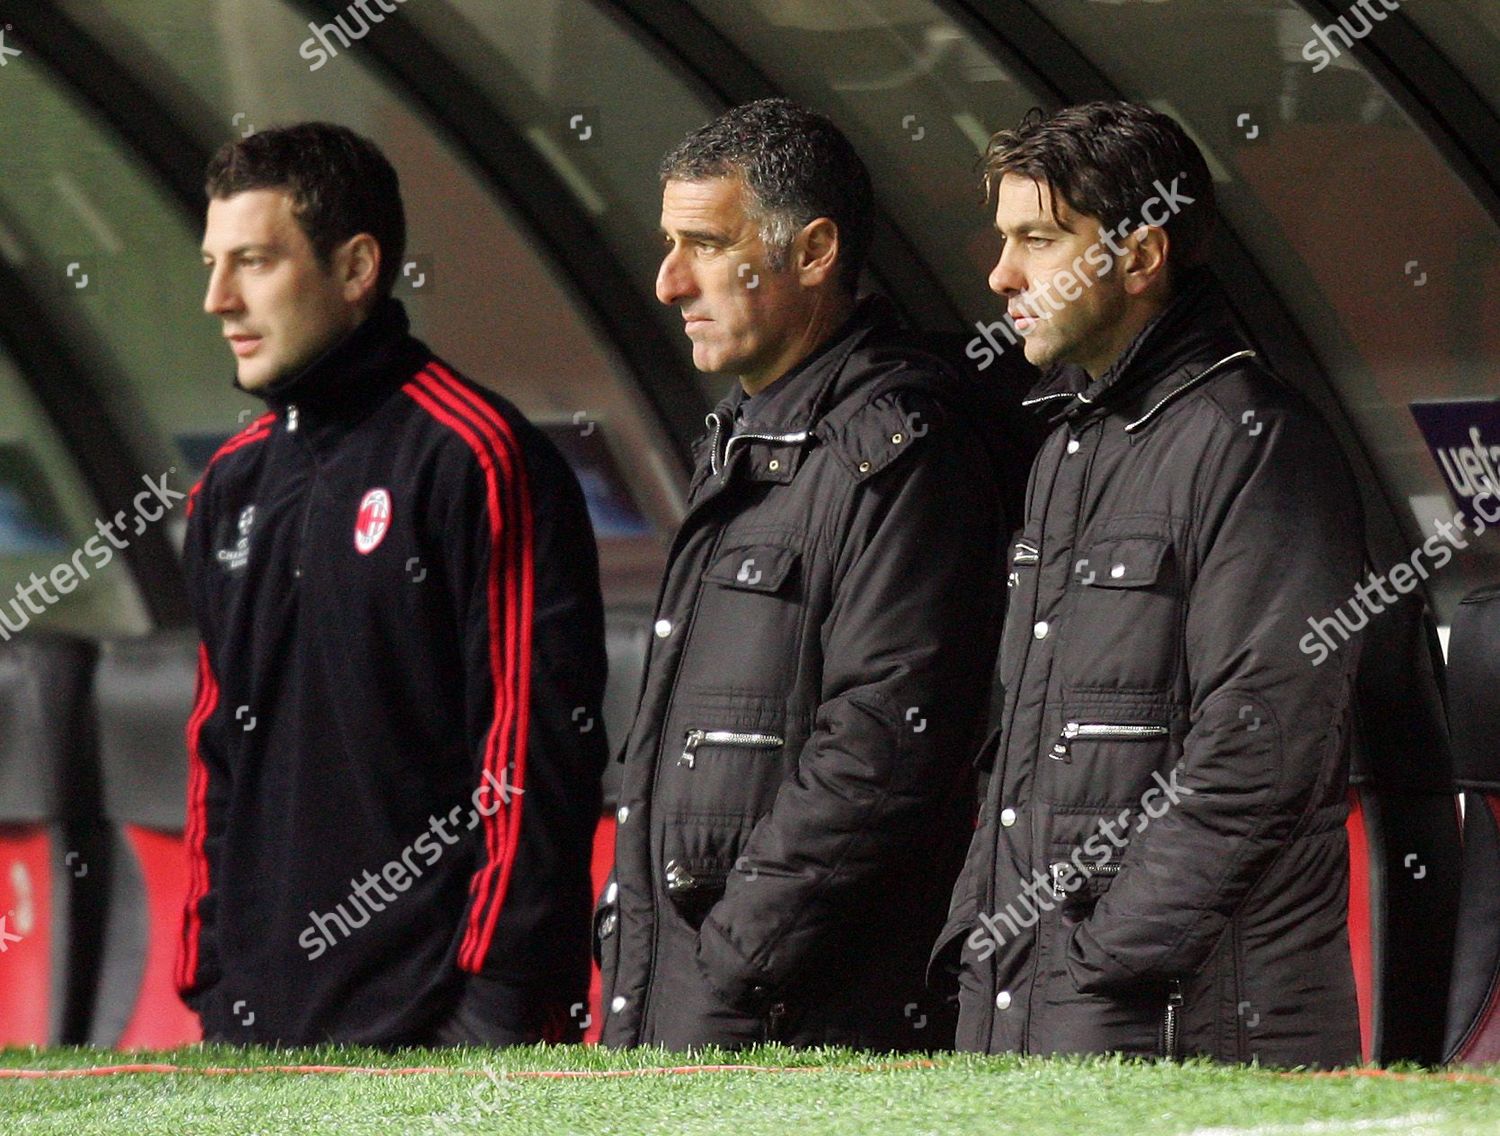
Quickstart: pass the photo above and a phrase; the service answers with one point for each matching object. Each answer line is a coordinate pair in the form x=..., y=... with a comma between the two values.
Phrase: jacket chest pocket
x=747, y=628
x=1125, y=626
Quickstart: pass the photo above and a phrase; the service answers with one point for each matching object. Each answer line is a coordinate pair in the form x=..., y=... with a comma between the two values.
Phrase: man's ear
x=357, y=264
x=1145, y=265
x=815, y=252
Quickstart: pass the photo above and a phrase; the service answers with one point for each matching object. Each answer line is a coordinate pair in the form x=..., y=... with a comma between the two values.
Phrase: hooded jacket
x=1160, y=866
x=797, y=792
x=394, y=750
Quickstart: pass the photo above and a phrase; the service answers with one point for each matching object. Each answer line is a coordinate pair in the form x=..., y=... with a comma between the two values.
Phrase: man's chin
x=255, y=379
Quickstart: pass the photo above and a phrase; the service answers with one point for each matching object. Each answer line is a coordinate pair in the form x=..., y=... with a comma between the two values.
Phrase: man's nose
x=674, y=280
x=1005, y=278
x=220, y=298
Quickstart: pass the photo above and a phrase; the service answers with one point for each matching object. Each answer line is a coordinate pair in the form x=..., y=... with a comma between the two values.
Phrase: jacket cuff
x=729, y=974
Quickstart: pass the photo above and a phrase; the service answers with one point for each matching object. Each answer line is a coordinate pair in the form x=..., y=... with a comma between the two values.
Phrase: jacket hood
x=357, y=370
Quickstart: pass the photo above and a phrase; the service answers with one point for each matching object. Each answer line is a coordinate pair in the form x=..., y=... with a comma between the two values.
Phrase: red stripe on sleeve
x=257, y=431
x=206, y=701
x=509, y=593
x=518, y=565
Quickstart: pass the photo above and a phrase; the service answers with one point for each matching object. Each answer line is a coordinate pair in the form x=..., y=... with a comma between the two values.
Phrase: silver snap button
x=1002, y=1000
x=617, y=1003
x=897, y=439
x=622, y=814
x=1007, y=817
x=611, y=891
x=1040, y=630
x=864, y=467
x=773, y=465
x=1073, y=445
x=663, y=628
x=1117, y=571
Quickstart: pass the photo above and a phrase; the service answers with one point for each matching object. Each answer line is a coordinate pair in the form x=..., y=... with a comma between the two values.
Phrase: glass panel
x=474, y=287
x=1388, y=263
x=48, y=533
x=917, y=96
x=119, y=261
x=595, y=104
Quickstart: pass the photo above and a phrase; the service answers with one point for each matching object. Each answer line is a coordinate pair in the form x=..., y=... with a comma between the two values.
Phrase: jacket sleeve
x=1281, y=542
x=909, y=644
x=483, y=497
x=198, y=968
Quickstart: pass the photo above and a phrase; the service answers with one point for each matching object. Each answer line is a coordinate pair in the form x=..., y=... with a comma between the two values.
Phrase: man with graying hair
x=797, y=792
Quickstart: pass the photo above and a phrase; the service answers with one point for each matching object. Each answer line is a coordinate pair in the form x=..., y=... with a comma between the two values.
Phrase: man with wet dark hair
x=1161, y=864
x=797, y=793
x=391, y=808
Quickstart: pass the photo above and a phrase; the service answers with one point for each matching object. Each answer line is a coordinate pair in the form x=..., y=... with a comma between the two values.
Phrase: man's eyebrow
x=241, y=250
x=1034, y=225
x=702, y=236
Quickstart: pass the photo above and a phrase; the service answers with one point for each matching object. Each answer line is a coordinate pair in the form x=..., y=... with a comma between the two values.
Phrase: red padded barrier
x=1360, y=942
x=25, y=935
x=160, y=1020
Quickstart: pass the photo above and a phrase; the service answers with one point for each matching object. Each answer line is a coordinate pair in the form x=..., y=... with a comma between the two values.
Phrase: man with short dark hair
x=391, y=805
x=797, y=793
x=1161, y=864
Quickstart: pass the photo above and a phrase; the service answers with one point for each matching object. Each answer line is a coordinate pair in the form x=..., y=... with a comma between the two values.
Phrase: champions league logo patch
x=236, y=557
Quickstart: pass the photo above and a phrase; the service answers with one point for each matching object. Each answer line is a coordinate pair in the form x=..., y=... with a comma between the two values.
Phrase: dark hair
x=797, y=166
x=339, y=182
x=1106, y=159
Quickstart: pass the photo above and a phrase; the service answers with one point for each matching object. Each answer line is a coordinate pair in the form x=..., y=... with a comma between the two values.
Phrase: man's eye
x=1038, y=242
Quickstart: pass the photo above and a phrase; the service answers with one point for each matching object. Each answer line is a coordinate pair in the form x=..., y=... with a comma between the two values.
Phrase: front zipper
x=1097, y=731
x=733, y=738
x=1059, y=881
x=796, y=437
x=1171, y=1025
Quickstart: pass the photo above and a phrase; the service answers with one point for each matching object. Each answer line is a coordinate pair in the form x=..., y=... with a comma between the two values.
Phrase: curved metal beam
x=174, y=145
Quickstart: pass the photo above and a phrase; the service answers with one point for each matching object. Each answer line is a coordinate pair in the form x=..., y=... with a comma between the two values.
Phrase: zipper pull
x=690, y=747
x=1061, y=748
x=291, y=418
x=1172, y=1024
x=679, y=878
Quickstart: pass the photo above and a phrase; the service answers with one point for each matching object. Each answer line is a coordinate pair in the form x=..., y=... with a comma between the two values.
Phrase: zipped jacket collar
x=792, y=412
x=1192, y=338
x=354, y=376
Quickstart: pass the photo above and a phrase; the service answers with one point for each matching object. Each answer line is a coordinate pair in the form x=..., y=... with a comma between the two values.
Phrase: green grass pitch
x=797, y=1093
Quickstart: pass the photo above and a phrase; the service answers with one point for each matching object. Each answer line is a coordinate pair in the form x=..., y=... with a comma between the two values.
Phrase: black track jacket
x=396, y=745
